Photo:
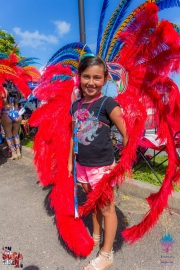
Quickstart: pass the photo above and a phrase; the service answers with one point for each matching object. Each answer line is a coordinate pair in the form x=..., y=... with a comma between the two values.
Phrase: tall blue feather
x=122, y=9
x=117, y=47
x=101, y=21
x=167, y=4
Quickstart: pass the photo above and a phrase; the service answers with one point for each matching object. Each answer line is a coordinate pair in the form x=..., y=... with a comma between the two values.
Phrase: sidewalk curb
x=131, y=187
x=142, y=190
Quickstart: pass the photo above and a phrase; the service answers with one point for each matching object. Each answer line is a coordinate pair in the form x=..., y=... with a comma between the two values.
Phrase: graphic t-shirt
x=94, y=143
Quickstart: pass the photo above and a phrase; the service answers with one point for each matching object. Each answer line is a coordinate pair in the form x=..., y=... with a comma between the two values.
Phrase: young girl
x=93, y=116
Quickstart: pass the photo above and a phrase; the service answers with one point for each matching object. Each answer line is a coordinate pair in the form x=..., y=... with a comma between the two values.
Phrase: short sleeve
x=111, y=104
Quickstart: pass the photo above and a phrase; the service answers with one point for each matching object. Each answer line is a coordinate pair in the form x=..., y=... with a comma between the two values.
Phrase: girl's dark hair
x=90, y=61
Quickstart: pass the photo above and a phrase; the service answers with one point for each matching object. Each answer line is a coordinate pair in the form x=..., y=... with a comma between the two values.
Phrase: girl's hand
x=70, y=170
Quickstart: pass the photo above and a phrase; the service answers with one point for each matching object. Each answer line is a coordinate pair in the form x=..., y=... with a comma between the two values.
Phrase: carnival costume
x=19, y=71
x=143, y=52
x=15, y=74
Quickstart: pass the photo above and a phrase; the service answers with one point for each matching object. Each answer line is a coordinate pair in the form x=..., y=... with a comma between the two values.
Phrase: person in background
x=11, y=120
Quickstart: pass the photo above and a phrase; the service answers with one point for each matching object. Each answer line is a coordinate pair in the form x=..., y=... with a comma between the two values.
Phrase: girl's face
x=92, y=80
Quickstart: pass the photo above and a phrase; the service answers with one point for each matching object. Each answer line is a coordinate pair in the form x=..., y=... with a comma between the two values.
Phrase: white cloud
x=33, y=39
x=62, y=27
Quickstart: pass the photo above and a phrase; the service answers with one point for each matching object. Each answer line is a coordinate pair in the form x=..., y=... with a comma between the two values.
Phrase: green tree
x=7, y=43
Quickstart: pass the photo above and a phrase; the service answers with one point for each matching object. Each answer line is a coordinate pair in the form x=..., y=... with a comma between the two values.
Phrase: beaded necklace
x=83, y=115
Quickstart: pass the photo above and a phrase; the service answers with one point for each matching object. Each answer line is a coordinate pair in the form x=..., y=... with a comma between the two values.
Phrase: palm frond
x=101, y=21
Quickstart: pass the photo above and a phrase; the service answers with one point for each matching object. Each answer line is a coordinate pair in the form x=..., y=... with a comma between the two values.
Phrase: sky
x=41, y=27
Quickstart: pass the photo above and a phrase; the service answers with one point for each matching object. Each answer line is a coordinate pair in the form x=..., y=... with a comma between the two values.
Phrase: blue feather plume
x=116, y=48
x=27, y=61
x=69, y=54
x=61, y=77
x=73, y=46
x=116, y=19
x=167, y=4
x=30, y=63
x=101, y=21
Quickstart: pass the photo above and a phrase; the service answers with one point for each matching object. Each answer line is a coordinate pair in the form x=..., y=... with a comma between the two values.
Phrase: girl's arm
x=116, y=117
x=70, y=159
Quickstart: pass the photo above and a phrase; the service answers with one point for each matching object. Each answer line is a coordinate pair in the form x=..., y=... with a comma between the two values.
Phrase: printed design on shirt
x=87, y=129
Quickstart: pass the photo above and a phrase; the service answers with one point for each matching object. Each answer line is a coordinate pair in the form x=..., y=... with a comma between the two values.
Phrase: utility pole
x=82, y=21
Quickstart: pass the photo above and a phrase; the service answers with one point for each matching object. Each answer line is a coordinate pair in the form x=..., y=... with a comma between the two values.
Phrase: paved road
x=27, y=225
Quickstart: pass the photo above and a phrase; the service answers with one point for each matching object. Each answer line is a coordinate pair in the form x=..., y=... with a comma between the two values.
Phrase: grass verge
x=145, y=174
x=27, y=142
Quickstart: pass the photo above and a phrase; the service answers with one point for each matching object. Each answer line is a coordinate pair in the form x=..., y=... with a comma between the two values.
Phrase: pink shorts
x=91, y=175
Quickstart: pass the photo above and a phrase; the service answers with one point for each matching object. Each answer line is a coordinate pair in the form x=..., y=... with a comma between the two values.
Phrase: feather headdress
x=18, y=70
